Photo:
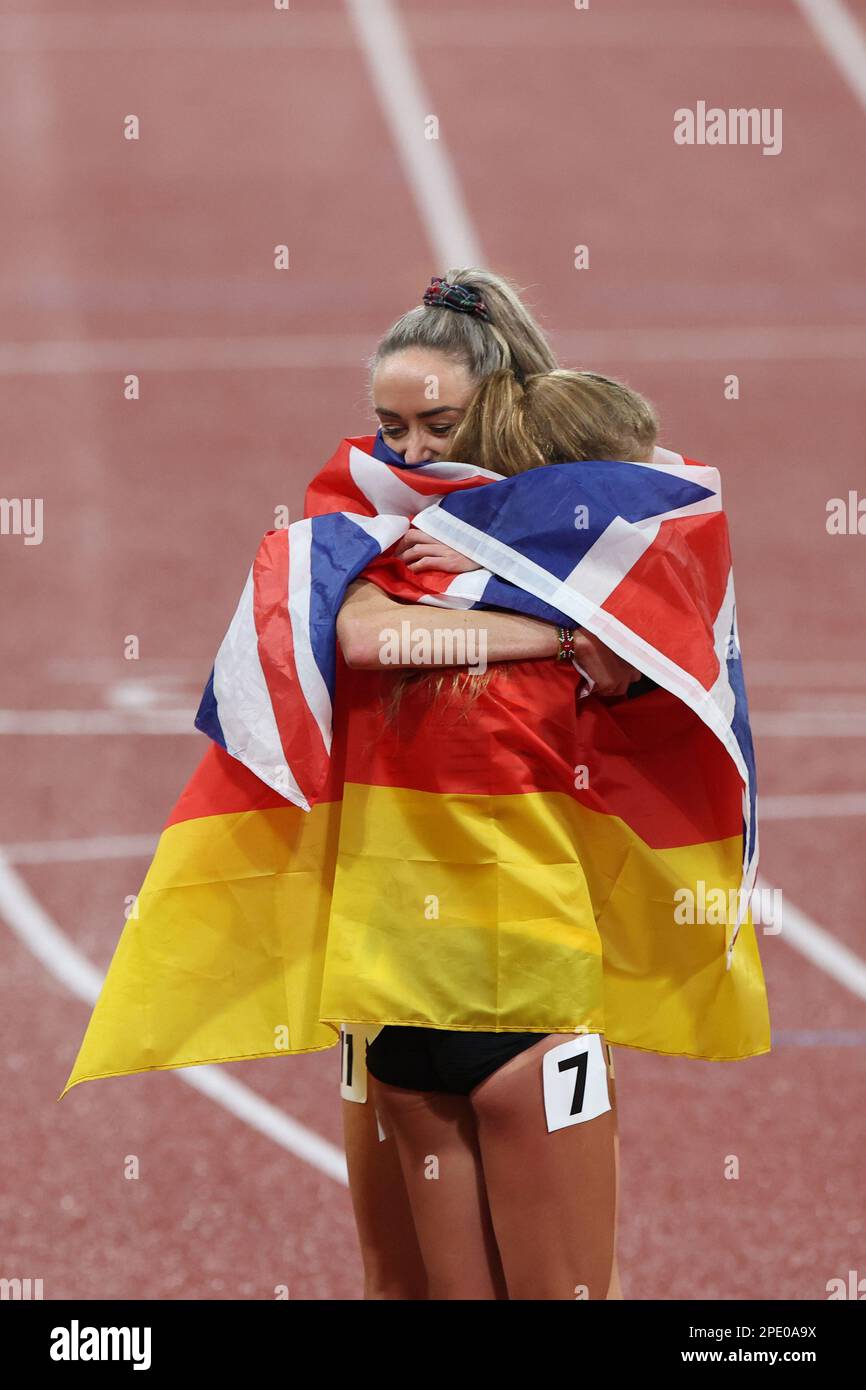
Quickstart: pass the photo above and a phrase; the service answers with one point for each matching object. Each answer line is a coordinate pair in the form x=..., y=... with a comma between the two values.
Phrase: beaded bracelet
x=566, y=643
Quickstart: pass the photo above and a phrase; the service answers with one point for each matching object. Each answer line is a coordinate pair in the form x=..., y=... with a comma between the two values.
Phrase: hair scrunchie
x=441, y=295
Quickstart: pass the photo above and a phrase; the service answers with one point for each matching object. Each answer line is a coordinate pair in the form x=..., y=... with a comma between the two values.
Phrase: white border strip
x=299, y=542
x=243, y=703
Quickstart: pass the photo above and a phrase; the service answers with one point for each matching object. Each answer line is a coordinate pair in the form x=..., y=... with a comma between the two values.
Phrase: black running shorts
x=441, y=1059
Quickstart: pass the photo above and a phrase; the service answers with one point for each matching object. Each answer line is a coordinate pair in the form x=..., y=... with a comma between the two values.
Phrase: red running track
x=155, y=256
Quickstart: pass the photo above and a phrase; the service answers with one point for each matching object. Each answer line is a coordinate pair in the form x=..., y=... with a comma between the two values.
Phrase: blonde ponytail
x=511, y=338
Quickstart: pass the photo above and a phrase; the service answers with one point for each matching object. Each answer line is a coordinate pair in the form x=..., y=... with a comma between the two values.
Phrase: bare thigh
x=552, y=1196
x=393, y=1267
x=441, y=1165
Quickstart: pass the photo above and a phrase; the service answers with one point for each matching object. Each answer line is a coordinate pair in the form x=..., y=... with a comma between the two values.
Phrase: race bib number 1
x=353, y=1059
x=575, y=1082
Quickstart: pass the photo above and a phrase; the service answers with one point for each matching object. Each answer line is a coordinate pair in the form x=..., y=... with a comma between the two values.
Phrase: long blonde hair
x=553, y=417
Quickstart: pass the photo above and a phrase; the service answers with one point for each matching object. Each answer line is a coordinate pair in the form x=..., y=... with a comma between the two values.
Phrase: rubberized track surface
x=156, y=257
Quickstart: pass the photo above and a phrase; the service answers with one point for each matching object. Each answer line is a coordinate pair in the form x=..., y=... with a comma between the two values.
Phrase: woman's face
x=420, y=398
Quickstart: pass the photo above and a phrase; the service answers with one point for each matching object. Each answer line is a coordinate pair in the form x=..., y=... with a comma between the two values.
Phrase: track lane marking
x=842, y=38
x=405, y=104
x=809, y=805
x=665, y=27
x=94, y=848
x=325, y=352
x=819, y=1037
x=50, y=945
x=93, y=722
x=31, y=924
x=90, y=723
x=788, y=723
x=819, y=947
x=75, y=850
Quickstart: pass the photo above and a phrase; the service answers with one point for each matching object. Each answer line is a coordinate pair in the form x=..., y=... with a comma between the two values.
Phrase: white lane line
x=285, y=29
x=142, y=720
x=44, y=939
x=754, y=343
x=115, y=668
x=97, y=721
x=819, y=947
x=811, y=805
x=325, y=352
x=787, y=723
x=820, y=1037
x=32, y=925
x=840, y=702
x=318, y=351
x=269, y=1120
x=843, y=39
x=90, y=848
x=406, y=107
x=435, y=26
x=838, y=675
x=80, y=850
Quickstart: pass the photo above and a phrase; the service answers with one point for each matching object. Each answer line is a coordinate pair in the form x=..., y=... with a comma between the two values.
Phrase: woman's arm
x=367, y=613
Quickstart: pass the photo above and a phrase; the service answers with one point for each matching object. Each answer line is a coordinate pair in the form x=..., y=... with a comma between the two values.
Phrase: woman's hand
x=419, y=551
x=611, y=674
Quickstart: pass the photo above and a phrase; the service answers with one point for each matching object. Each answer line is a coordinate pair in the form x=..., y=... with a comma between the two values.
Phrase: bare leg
x=615, y=1289
x=438, y=1147
x=391, y=1256
x=552, y=1195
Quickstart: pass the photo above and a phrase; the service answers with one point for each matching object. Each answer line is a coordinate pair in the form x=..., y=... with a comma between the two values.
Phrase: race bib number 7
x=575, y=1082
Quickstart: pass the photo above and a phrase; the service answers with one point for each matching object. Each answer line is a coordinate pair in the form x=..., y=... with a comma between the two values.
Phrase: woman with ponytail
x=469, y=376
